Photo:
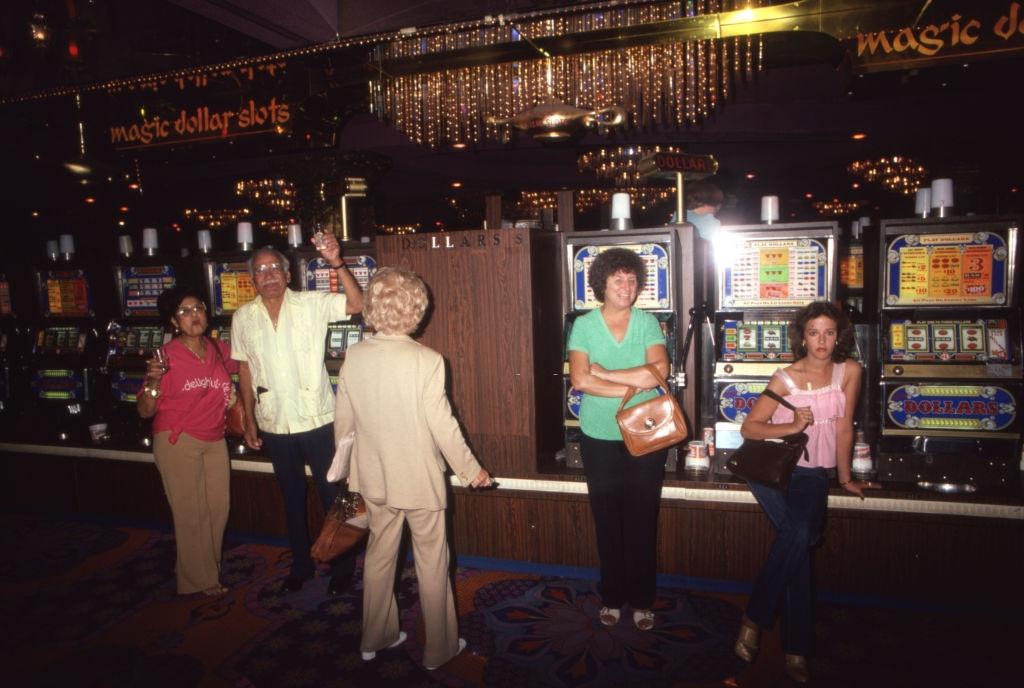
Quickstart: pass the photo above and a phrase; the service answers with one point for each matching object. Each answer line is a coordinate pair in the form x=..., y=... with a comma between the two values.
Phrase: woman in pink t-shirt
x=186, y=394
x=823, y=384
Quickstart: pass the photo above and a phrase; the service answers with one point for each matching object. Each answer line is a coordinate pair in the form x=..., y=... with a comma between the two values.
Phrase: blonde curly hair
x=396, y=300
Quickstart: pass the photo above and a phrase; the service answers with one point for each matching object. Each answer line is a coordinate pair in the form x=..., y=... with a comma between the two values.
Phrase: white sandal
x=643, y=619
x=608, y=616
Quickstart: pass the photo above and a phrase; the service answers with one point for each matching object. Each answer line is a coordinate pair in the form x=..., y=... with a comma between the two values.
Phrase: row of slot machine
x=68, y=376
x=941, y=355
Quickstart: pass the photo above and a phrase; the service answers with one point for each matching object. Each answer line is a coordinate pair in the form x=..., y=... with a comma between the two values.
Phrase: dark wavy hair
x=167, y=303
x=845, y=344
x=611, y=261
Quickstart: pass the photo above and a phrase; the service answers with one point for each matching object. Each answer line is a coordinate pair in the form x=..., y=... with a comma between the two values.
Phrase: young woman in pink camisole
x=823, y=384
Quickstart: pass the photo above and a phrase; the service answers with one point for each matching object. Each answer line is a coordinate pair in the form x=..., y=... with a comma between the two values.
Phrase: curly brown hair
x=845, y=344
x=613, y=260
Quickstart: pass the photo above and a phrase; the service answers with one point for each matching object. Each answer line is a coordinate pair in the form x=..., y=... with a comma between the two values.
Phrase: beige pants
x=430, y=550
x=197, y=479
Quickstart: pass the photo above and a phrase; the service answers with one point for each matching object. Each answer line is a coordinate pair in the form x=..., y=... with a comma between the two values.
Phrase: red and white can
x=709, y=440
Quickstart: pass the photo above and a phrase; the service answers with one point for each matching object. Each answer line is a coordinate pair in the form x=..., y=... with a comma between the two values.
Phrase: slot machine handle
x=680, y=376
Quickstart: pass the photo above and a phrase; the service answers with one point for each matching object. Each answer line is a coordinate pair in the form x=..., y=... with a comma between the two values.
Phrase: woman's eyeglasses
x=192, y=310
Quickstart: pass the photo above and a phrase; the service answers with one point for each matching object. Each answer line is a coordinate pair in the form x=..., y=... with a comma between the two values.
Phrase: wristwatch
x=151, y=391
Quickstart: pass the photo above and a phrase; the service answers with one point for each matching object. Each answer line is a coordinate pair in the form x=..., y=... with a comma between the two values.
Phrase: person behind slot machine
x=390, y=381
x=823, y=384
x=608, y=351
x=186, y=391
x=703, y=201
x=279, y=340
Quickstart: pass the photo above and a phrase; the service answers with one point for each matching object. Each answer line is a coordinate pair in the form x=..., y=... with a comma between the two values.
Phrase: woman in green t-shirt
x=608, y=349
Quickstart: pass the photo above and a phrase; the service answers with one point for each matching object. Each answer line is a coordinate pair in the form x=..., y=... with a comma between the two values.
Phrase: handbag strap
x=633, y=390
x=782, y=400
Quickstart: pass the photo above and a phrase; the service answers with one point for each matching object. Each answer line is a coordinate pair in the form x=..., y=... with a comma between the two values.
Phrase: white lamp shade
x=295, y=234
x=51, y=247
x=245, y=232
x=67, y=243
x=149, y=238
x=769, y=208
x=205, y=243
x=124, y=245
x=923, y=201
x=620, y=206
x=942, y=193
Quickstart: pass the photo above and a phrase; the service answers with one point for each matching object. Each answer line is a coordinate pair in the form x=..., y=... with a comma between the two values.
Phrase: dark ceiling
x=790, y=128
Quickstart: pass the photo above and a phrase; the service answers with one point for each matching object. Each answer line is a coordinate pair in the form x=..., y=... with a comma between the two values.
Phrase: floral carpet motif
x=550, y=635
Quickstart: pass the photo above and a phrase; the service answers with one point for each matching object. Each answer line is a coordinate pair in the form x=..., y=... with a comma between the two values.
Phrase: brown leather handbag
x=653, y=424
x=234, y=415
x=345, y=526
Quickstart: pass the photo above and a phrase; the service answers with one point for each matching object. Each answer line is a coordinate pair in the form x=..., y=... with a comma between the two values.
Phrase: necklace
x=200, y=354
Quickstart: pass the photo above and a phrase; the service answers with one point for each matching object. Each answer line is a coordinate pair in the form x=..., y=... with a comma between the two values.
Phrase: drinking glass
x=161, y=357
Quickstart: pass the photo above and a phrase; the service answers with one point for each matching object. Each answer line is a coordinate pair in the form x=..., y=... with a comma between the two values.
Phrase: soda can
x=709, y=440
x=697, y=449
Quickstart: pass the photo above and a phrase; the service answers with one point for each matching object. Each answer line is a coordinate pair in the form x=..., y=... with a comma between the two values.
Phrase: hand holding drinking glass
x=158, y=365
x=327, y=245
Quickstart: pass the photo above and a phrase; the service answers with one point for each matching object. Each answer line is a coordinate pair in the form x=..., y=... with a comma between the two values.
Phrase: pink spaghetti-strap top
x=828, y=404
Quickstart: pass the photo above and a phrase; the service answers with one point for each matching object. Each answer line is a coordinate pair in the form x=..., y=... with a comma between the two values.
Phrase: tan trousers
x=430, y=550
x=197, y=480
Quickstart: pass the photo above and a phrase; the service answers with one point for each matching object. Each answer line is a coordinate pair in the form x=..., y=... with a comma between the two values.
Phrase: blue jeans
x=784, y=583
x=625, y=493
x=289, y=455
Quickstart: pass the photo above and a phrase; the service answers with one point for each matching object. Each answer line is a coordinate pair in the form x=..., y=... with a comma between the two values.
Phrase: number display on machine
x=952, y=341
x=775, y=273
x=58, y=340
x=755, y=341
x=141, y=286
x=66, y=294
x=233, y=287
x=320, y=276
x=657, y=283
x=962, y=268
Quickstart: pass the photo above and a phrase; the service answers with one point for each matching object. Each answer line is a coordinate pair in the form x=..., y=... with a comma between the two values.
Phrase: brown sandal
x=608, y=616
x=215, y=590
x=796, y=668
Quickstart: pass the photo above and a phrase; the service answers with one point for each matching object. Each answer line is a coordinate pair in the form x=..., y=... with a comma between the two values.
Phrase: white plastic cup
x=98, y=432
x=295, y=235
x=769, y=209
x=923, y=202
x=865, y=222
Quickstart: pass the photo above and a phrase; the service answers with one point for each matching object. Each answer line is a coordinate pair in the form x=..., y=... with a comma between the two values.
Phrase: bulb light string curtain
x=668, y=84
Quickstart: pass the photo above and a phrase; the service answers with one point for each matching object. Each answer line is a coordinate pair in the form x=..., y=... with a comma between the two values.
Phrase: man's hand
x=328, y=247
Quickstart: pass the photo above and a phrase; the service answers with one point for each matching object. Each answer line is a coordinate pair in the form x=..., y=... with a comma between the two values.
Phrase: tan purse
x=345, y=525
x=653, y=424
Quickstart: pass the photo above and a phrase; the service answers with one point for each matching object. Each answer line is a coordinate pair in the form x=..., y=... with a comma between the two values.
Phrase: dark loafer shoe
x=339, y=585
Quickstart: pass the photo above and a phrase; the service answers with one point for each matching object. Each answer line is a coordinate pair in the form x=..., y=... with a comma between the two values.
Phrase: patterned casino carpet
x=94, y=605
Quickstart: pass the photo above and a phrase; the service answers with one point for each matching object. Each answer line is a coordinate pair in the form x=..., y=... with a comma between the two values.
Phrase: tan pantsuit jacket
x=391, y=393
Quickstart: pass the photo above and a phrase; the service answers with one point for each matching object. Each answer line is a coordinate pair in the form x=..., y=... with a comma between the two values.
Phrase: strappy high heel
x=796, y=668
x=747, y=641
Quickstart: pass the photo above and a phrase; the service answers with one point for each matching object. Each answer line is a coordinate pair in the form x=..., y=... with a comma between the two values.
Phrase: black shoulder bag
x=769, y=462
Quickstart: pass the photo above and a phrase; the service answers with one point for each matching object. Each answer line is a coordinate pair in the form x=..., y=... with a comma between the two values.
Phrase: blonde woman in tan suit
x=391, y=392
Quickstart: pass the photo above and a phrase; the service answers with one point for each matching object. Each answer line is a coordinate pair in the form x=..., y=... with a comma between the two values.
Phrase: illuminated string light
x=673, y=84
x=216, y=219
x=619, y=164
x=896, y=173
x=396, y=229
x=274, y=194
x=836, y=207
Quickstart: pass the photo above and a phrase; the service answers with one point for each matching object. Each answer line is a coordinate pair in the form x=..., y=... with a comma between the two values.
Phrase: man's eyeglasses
x=192, y=310
x=267, y=267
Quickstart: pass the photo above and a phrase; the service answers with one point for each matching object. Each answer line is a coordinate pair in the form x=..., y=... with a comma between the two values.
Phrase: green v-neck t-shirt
x=590, y=335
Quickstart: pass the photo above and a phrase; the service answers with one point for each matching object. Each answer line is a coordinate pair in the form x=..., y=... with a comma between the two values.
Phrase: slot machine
x=66, y=351
x=665, y=295
x=310, y=272
x=229, y=286
x=763, y=275
x=14, y=346
x=138, y=331
x=950, y=346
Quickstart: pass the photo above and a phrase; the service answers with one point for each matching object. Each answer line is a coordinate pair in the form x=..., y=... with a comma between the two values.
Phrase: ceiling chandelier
x=619, y=164
x=896, y=173
x=273, y=194
x=835, y=207
x=669, y=84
